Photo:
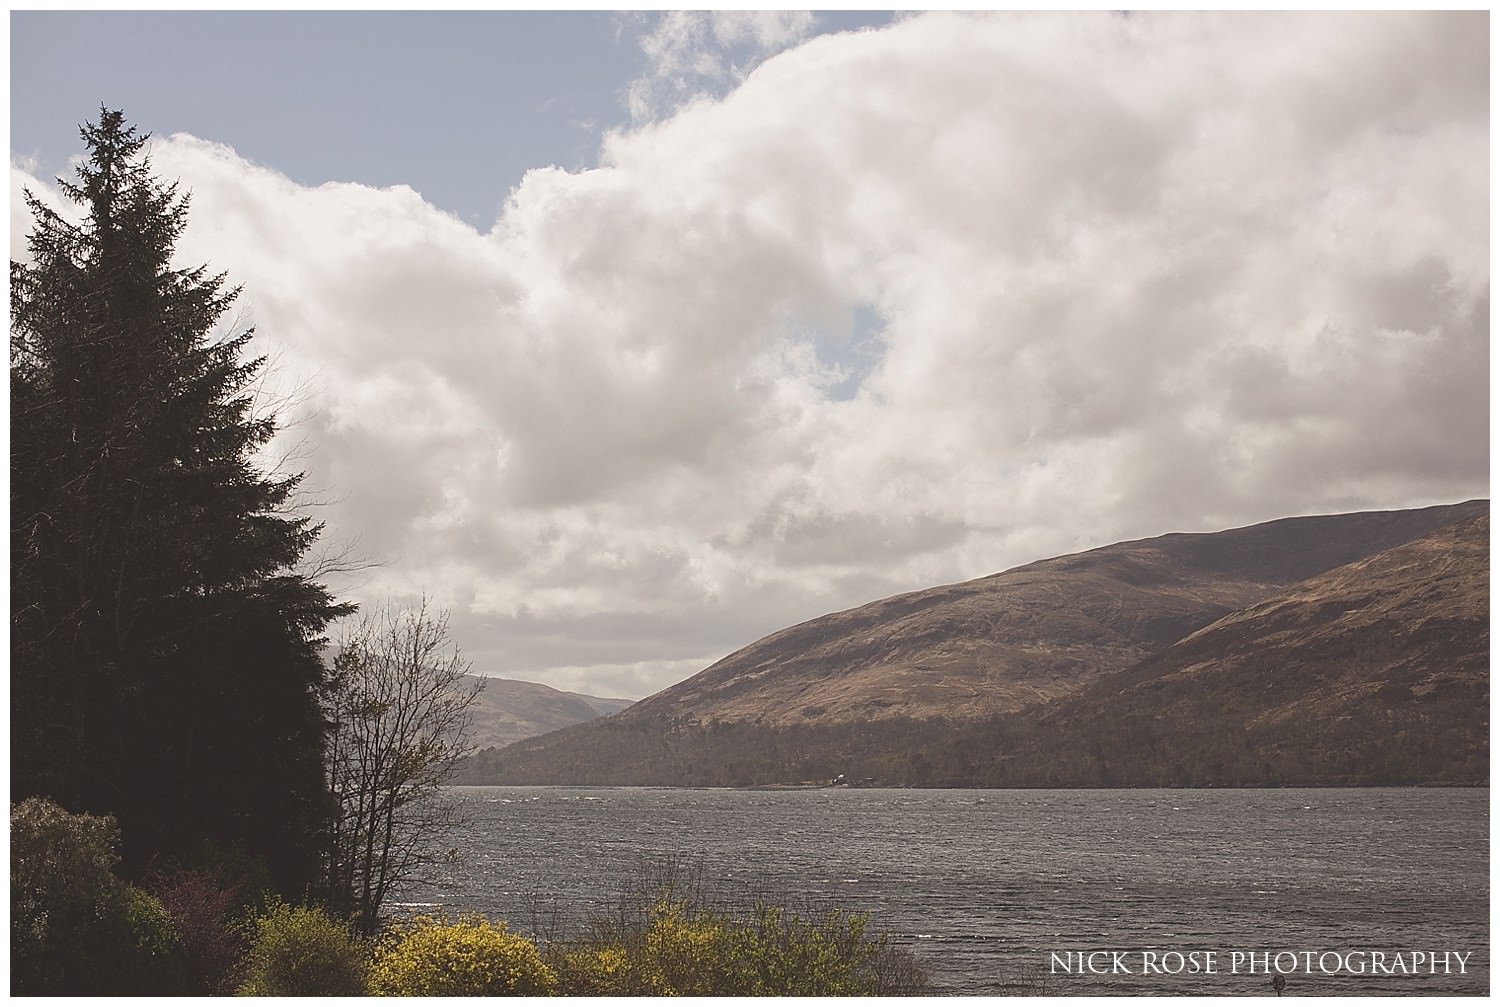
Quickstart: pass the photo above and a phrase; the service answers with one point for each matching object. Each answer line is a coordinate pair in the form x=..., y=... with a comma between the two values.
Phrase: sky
x=632, y=338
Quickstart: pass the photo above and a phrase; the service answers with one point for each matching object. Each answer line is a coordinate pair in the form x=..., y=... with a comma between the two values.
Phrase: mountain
x=507, y=710
x=1408, y=623
x=1029, y=677
x=1011, y=640
x=1376, y=670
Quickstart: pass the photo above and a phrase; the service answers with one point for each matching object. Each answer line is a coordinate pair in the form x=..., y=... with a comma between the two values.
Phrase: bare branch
x=398, y=706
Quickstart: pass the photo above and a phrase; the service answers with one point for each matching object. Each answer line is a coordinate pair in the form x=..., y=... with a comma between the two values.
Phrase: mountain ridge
x=1008, y=640
x=508, y=710
x=1050, y=631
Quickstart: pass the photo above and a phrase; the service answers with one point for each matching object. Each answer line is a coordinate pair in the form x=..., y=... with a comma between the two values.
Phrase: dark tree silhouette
x=165, y=650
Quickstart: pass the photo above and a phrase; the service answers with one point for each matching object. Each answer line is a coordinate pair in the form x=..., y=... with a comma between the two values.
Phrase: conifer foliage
x=165, y=652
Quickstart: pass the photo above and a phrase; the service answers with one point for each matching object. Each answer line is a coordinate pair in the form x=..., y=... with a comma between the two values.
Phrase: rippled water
x=985, y=886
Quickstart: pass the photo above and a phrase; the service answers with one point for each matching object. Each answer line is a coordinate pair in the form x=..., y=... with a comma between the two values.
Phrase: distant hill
x=1125, y=665
x=507, y=710
x=1014, y=639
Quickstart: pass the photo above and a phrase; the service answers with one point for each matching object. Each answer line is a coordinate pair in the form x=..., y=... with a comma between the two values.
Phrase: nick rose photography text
x=1361, y=962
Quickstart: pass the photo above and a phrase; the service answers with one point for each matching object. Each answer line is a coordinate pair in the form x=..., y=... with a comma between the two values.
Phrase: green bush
x=677, y=950
x=681, y=949
x=300, y=951
x=787, y=955
x=834, y=954
x=590, y=971
x=76, y=929
x=146, y=952
x=470, y=957
x=671, y=934
x=62, y=889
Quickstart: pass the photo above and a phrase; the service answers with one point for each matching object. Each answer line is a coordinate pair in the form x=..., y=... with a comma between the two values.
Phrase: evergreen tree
x=165, y=652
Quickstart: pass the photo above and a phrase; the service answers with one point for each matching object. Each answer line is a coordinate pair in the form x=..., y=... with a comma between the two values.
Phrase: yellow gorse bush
x=676, y=952
x=681, y=950
x=685, y=954
x=591, y=971
x=469, y=957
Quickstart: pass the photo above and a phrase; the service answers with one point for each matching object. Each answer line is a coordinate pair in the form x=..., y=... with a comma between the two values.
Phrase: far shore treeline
x=1001, y=752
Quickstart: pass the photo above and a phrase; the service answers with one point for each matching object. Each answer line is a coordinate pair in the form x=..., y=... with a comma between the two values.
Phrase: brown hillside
x=1394, y=643
x=1029, y=635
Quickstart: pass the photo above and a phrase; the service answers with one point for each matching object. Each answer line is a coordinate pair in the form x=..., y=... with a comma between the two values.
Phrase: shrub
x=787, y=955
x=670, y=938
x=686, y=951
x=203, y=909
x=144, y=954
x=680, y=951
x=834, y=955
x=299, y=951
x=472, y=957
x=62, y=888
x=592, y=971
x=76, y=929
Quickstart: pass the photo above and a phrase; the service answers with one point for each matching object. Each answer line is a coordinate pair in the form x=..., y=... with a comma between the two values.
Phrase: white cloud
x=903, y=307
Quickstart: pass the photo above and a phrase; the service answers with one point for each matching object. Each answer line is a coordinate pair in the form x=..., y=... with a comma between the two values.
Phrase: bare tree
x=398, y=706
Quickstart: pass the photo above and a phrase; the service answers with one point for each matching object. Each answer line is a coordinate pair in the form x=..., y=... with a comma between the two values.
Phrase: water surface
x=985, y=886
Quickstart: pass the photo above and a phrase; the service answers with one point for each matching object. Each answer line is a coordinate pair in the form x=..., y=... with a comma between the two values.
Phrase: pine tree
x=165, y=652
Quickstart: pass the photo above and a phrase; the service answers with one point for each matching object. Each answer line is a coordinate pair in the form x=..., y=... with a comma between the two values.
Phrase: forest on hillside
x=1126, y=748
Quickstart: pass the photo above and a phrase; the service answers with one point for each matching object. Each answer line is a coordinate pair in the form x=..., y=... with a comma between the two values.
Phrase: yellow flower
x=470, y=957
